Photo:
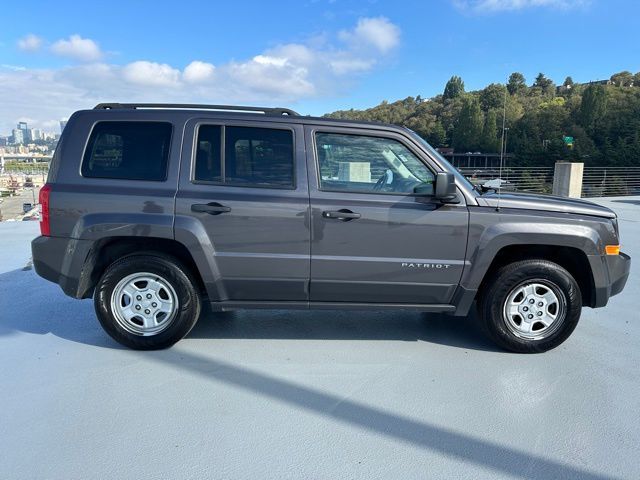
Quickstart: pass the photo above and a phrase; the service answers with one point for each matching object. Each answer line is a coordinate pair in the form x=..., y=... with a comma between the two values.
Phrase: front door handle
x=343, y=214
x=213, y=208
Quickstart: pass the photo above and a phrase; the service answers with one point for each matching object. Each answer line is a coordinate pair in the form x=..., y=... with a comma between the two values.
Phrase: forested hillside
x=602, y=117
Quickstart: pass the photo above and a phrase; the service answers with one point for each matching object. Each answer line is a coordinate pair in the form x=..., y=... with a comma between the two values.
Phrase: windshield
x=459, y=176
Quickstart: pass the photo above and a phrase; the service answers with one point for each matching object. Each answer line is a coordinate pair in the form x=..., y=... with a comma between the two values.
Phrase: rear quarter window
x=128, y=151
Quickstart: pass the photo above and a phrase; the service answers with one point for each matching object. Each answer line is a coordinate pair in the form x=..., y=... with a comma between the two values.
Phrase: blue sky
x=315, y=56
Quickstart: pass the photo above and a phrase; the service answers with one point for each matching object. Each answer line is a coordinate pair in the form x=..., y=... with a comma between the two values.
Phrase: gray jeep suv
x=155, y=210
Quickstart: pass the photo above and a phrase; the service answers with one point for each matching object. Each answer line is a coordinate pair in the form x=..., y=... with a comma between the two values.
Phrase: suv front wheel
x=147, y=302
x=530, y=306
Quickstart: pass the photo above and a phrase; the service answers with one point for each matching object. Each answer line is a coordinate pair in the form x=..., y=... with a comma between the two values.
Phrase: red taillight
x=43, y=198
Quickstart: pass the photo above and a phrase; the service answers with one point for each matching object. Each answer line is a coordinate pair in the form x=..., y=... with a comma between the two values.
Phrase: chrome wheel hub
x=144, y=304
x=534, y=310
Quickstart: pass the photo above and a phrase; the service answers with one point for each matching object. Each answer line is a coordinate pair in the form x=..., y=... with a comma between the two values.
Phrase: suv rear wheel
x=530, y=306
x=147, y=302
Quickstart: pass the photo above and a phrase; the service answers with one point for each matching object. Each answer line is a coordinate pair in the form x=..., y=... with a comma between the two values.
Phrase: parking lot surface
x=312, y=395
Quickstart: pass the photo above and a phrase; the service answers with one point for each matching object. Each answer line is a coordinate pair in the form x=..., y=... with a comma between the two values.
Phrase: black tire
x=171, y=271
x=512, y=276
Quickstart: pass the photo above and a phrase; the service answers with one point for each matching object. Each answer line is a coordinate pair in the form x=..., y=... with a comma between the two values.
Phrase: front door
x=373, y=240
x=244, y=185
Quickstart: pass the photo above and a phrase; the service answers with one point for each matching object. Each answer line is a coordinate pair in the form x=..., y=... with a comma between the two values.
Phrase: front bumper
x=610, y=274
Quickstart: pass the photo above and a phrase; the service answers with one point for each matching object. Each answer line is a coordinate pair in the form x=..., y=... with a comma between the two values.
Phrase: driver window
x=359, y=163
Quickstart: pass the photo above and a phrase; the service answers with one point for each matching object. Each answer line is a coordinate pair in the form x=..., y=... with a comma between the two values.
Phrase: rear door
x=373, y=239
x=245, y=184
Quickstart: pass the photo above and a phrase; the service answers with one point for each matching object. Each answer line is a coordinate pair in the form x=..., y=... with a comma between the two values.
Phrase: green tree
x=454, y=88
x=489, y=142
x=468, y=128
x=568, y=82
x=636, y=80
x=542, y=81
x=622, y=79
x=516, y=84
x=593, y=106
x=438, y=136
x=515, y=110
x=492, y=96
x=544, y=84
x=448, y=113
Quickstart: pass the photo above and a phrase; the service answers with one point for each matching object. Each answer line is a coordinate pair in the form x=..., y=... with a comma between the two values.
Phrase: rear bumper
x=610, y=274
x=61, y=260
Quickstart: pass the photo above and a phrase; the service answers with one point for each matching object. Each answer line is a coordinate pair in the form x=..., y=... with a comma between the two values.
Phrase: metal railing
x=520, y=179
x=610, y=181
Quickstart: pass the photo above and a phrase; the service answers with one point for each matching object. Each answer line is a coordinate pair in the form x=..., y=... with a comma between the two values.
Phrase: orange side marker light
x=612, y=249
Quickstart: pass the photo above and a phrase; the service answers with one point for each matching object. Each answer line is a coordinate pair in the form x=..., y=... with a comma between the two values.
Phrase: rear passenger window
x=261, y=157
x=128, y=150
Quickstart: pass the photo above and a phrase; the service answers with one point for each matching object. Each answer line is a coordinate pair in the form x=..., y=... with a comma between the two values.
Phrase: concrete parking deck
x=312, y=395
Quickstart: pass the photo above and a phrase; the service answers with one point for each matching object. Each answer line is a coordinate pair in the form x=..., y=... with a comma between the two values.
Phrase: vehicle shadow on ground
x=47, y=310
x=460, y=332
x=468, y=448
x=32, y=305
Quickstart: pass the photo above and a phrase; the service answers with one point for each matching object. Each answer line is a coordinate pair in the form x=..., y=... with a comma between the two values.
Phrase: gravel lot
x=312, y=395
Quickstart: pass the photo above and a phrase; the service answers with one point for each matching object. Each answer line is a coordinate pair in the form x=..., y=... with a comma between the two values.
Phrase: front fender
x=489, y=233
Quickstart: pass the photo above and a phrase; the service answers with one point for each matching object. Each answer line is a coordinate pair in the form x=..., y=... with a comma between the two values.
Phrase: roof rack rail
x=192, y=106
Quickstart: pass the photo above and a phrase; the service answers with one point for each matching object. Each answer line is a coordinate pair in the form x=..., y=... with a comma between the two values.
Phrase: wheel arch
x=572, y=259
x=109, y=249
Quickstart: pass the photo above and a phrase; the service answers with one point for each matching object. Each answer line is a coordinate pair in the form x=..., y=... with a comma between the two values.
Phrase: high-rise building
x=17, y=136
x=36, y=134
x=24, y=128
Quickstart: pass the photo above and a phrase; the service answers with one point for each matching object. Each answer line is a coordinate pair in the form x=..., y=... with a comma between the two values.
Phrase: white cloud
x=151, y=74
x=198, y=72
x=50, y=125
x=491, y=6
x=78, y=48
x=283, y=74
x=15, y=68
x=345, y=66
x=272, y=74
x=267, y=60
x=30, y=43
x=378, y=33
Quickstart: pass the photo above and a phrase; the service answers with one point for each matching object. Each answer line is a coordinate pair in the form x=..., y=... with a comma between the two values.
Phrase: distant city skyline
x=316, y=56
x=22, y=134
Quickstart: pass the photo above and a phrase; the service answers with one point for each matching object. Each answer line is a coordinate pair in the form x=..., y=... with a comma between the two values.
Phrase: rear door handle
x=344, y=214
x=213, y=208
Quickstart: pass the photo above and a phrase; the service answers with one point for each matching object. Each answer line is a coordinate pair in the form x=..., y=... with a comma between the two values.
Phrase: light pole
x=504, y=146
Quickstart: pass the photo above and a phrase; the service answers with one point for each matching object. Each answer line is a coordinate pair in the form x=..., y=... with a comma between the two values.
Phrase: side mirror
x=424, y=190
x=446, y=188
